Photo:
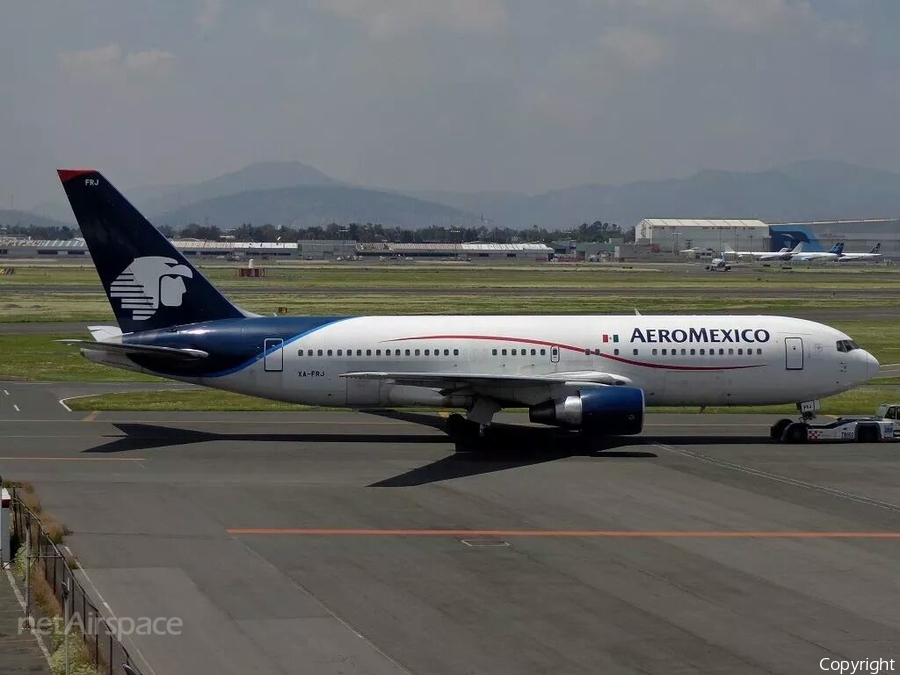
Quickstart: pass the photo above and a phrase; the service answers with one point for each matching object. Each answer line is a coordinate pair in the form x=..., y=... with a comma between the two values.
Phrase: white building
x=672, y=234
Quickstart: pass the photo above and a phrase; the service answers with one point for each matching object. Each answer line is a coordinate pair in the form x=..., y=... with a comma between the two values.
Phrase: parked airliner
x=871, y=256
x=595, y=373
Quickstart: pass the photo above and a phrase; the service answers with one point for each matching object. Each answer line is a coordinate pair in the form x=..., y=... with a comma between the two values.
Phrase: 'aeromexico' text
x=713, y=335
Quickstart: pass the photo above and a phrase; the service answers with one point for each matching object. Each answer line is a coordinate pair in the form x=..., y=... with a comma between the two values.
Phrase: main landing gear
x=474, y=426
x=791, y=431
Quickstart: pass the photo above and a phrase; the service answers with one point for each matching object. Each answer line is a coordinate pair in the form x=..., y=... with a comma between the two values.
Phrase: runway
x=345, y=542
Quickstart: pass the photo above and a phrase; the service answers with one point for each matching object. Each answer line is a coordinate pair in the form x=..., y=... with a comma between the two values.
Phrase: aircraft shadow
x=507, y=447
x=149, y=436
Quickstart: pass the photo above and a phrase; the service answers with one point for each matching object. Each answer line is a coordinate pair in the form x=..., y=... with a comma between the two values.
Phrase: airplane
x=819, y=256
x=756, y=255
x=594, y=374
x=781, y=255
x=863, y=257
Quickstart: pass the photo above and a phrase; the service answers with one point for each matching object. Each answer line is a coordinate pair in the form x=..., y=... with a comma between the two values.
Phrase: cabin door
x=273, y=355
x=793, y=353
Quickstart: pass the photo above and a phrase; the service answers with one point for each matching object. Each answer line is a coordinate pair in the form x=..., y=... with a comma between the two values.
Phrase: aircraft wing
x=457, y=381
x=139, y=350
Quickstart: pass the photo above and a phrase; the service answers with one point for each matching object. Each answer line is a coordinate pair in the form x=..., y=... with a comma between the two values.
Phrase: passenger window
x=320, y=352
x=455, y=352
x=494, y=352
x=329, y=352
x=731, y=351
x=368, y=352
x=407, y=352
x=377, y=352
x=543, y=352
x=663, y=352
x=616, y=351
x=309, y=352
x=758, y=350
x=693, y=351
x=533, y=352
x=503, y=352
x=512, y=352
x=417, y=352
x=653, y=352
x=446, y=352
x=387, y=352
x=702, y=352
x=721, y=351
x=684, y=352
x=635, y=352
x=339, y=352
x=740, y=352
x=587, y=352
x=427, y=352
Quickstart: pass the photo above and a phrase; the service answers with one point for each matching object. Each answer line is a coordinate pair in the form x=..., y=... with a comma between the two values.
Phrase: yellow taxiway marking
x=91, y=417
x=634, y=534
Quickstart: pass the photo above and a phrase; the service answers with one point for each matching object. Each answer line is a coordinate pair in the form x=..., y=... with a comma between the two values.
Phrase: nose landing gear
x=790, y=431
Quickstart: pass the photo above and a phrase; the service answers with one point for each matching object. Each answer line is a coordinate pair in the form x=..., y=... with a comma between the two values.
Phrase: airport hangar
x=859, y=236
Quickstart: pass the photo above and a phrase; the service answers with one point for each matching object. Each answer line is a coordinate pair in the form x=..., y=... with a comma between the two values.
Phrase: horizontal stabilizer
x=101, y=333
x=139, y=350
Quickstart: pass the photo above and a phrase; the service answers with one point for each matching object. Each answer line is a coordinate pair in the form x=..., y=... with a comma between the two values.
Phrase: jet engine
x=617, y=411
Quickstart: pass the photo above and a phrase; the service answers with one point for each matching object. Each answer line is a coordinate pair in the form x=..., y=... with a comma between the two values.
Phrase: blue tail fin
x=149, y=283
x=838, y=248
x=876, y=248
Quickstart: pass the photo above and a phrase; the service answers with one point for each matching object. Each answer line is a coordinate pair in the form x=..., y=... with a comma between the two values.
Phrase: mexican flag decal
x=610, y=338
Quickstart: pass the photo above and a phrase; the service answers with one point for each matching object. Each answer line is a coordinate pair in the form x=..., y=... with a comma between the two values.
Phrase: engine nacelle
x=617, y=411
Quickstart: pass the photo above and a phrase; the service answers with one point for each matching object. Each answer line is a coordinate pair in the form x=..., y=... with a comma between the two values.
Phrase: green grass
x=480, y=276
x=187, y=401
x=93, y=307
x=40, y=358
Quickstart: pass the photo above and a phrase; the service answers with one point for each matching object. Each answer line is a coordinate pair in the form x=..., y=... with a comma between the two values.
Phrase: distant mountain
x=261, y=176
x=156, y=199
x=10, y=218
x=810, y=190
x=813, y=190
x=305, y=206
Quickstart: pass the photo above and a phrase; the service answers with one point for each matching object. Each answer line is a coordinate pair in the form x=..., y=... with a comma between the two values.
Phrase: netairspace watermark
x=861, y=666
x=119, y=627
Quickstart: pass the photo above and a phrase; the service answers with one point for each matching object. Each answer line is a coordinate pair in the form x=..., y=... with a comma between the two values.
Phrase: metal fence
x=43, y=557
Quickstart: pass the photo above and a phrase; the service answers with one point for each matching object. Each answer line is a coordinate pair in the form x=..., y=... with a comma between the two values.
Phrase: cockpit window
x=847, y=345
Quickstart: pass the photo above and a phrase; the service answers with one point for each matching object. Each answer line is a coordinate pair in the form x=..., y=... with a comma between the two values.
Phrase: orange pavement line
x=91, y=417
x=648, y=534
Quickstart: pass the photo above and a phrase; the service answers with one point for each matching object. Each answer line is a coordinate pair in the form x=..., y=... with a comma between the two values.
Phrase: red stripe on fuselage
x=572, y=348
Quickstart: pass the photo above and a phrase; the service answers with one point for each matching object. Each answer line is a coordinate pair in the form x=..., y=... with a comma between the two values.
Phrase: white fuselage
x=675, y=360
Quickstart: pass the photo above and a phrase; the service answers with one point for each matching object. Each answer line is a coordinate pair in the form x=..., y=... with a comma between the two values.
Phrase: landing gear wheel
x=796, y=432
x=777, y=430
x=867, y=434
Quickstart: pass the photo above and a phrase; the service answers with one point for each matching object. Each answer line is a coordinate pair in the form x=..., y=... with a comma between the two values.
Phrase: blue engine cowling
x=617, y=411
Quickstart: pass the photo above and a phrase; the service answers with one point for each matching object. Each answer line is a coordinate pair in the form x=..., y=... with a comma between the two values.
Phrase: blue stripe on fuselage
x=232, y=344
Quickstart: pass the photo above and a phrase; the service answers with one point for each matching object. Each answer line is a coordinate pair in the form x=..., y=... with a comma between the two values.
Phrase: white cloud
x=153, y=62
x=96, y=64
x=633, y=48
x=756, y=16
x=208, y=14
x=110, y=63
x=387, y=19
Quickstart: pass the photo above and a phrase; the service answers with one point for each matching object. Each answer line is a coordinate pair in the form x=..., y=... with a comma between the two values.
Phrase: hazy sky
x=451, y=94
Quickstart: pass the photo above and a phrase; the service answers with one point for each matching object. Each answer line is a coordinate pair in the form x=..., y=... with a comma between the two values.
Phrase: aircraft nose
x=873, y=365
